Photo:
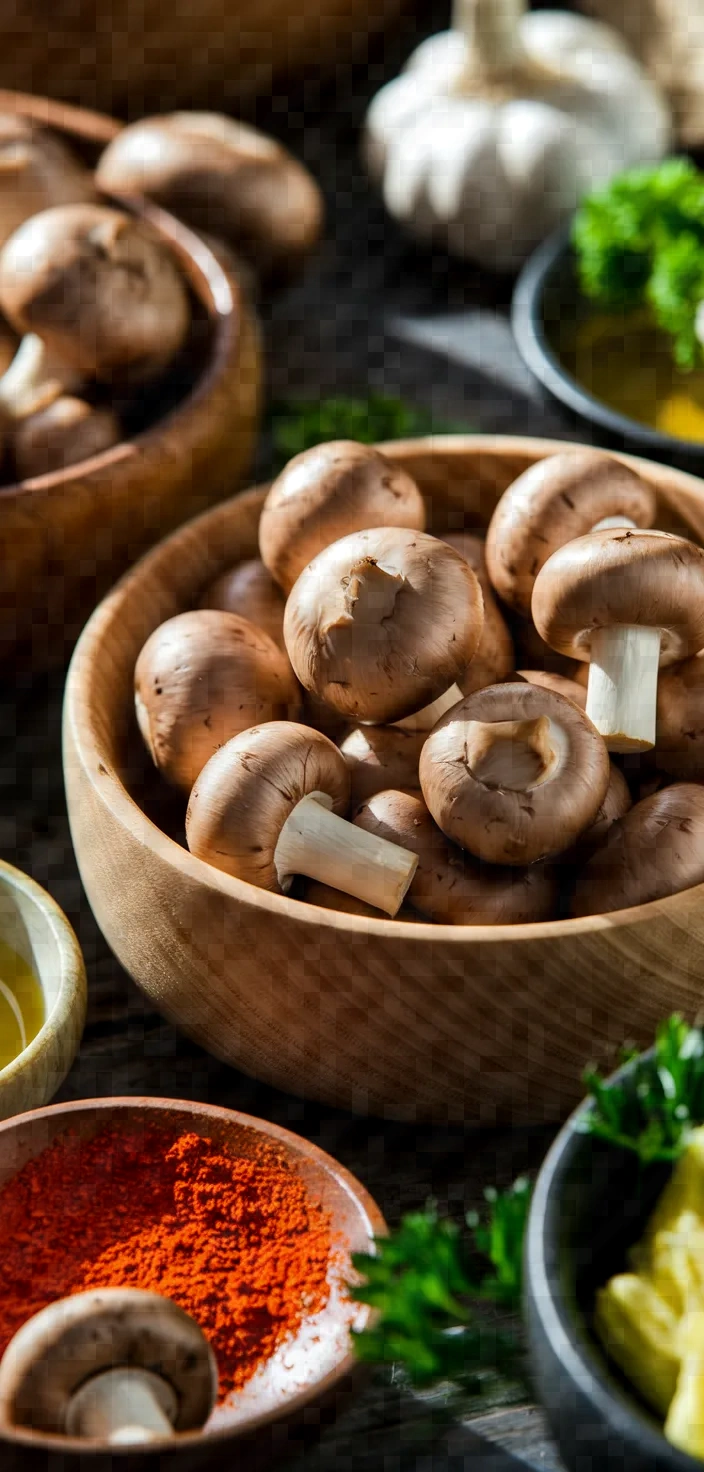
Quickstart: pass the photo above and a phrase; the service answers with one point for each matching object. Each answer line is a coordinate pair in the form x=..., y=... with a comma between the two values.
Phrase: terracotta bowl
x=32, y=924
x=65, y=537
x=409, y=1020
x=307, y=1380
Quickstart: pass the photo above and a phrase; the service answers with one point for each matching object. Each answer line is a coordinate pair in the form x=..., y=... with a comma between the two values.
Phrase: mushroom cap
x=496, y=797
x=616, y=804
x=333, y=899
x=62, y=433
x=450, y=885
x=326, y=493
x=557, y=683
x=37, y=171
x=679, y=741
x=494, y=658
x=622, y=577
x=382, y=622
x=245, y=793
x=555, y=501
x=221, y=176
x=201, y=678
x=64, y=1345
x=380, y=757
x=99, y=288
x=656, y=850
x=248, y=589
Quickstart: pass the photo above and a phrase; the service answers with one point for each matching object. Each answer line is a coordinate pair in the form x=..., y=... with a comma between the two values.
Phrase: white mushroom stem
x=608, y=522
x=623, y=686
x=123, y=1406
x=318, y=844
x=514, y=755
x=33, y=380
x=492, y=31
x=425, y=719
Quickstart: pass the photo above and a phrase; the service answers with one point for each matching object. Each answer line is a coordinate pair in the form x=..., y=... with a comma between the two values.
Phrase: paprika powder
x=236, y=1241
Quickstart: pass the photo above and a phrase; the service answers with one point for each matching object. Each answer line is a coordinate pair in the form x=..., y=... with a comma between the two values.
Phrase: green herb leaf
x=298, y=425
x=653, y=1112
x=500, y=1238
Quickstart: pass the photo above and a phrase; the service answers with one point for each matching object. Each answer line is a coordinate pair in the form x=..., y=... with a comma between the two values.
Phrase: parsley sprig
x=298, y=425
x=652, y=1111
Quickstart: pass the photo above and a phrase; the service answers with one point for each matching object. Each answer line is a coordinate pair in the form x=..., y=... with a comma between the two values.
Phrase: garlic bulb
x=499, y=126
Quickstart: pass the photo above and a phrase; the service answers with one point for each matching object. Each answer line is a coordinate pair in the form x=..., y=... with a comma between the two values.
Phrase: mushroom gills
x=123, y=1406
x=622, y=688
x=315, y=842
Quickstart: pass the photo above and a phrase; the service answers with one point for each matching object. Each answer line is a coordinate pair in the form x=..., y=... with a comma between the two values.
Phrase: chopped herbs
x=653, y=1111
x=641, y=241
x=299, y=425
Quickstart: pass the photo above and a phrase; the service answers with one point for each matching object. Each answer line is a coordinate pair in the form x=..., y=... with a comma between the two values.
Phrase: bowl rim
x=529, y=333
x=217, y=290
x=77, y=717
x=293, y=1143
x=73, y=981
x=622, y=1410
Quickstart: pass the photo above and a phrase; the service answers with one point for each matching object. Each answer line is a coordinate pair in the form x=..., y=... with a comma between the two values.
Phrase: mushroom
x=657, y=849
x=201, y=678
x=514, y=773
x=97, y=296
x=61, y=434
x=117, y=1365
x=679, y=735
x=494, y=658
x=269, y=806
x=382, y=756
x=333, y=899
x=248, y=589
x=37, y=172
x=627, y=601
x=326, y=493
x=450, y=885
x=535, y=654
x=558, y=683
x=222, y=177
x=616, y=804
x=557, y=499
x=383, y=622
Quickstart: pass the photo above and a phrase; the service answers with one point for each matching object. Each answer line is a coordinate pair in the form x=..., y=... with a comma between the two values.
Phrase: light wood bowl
x=34, y=926
x=409, y=1020
x=306, y=1382
x=65, y=537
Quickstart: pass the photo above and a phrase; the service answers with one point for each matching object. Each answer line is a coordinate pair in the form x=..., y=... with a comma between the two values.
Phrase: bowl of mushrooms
x=130, y=384
x=385, y=781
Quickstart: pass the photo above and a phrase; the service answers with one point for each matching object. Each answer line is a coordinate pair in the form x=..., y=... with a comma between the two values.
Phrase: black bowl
x=547, y=293
x=590, y=1204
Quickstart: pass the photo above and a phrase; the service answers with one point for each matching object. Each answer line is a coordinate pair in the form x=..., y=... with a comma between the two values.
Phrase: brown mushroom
x=383, y=622
x=333, y=899
x=222, y=177
x=627, y=601
x=99, y=297
x=116, y=1365
x=382, y=756
x=514, y=773
x=61, y=434
x=269, y=806
x=37, y=172
x=559, y=683
x=656, y=850
x=449, y=885
x=679, y=735
x=556, y=500
x=326, y=493
x=616, y=804
x=494, y=658
x=248, y=589
x=201, y=678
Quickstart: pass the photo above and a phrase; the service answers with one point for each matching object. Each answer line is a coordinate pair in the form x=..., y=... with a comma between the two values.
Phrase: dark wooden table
x=373, y=313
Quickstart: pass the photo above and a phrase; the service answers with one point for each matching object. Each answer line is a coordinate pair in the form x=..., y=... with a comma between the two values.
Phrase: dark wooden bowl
x=286, y=1405
x=65, y=537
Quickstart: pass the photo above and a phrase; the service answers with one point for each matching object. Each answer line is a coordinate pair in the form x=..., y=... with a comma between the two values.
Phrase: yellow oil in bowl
x=624, y=361
x=21, y=1005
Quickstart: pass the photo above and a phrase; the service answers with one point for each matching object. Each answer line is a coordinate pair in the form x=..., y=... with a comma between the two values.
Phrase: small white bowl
x=32, y=924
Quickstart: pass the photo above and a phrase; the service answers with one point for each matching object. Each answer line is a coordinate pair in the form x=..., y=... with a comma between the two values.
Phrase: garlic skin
x=497, y=128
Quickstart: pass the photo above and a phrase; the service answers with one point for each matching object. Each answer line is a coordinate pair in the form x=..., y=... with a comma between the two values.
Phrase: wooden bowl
x=409, y=1020
x=304, y=1384
x=65, y=537
x=32, y=924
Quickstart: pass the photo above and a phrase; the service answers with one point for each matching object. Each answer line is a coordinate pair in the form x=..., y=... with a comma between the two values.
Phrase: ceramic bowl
x=591, y=1203
x=406, y=1019
x=33, y=926
x=304, y=1384
x=65, y=537
x=547, y=294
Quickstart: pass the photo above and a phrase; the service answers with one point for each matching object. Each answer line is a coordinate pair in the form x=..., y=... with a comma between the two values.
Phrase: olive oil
x=21, y=1005
x=623, y=360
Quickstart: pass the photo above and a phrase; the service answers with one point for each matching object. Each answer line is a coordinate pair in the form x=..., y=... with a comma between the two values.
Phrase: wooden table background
x=374, y=313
